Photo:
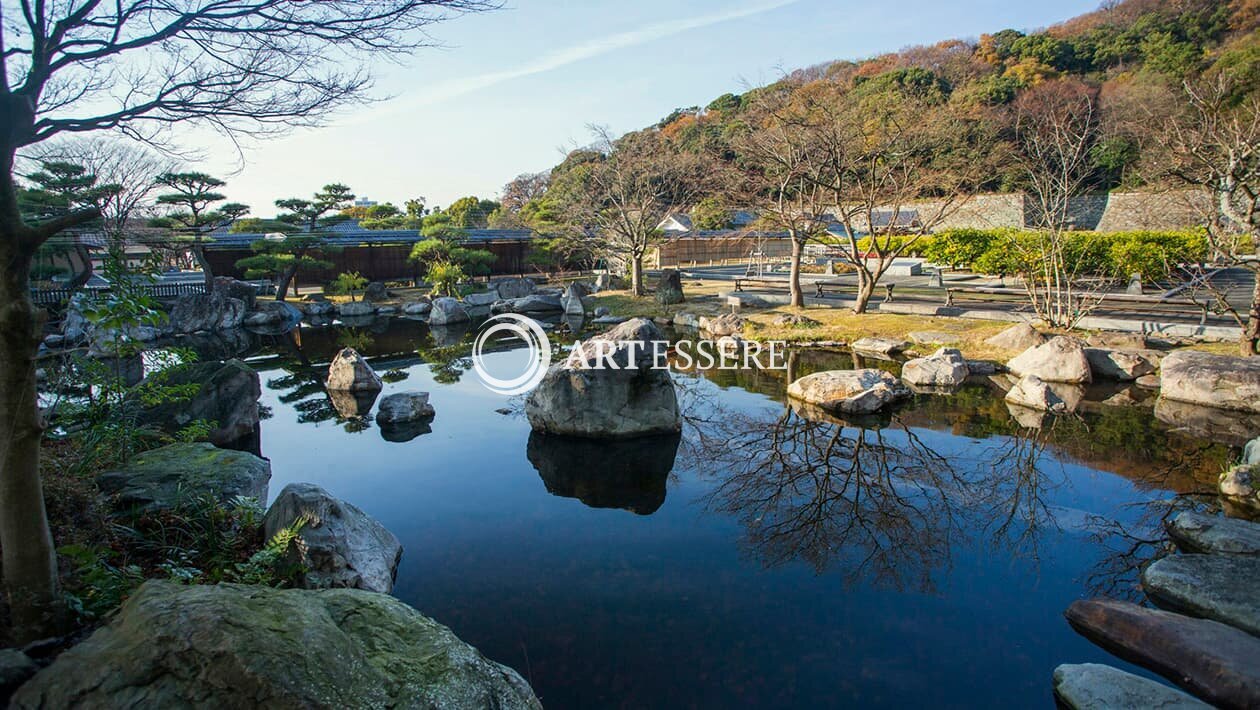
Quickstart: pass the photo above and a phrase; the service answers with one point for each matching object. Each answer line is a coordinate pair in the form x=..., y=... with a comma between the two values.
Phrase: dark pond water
x=760, y=559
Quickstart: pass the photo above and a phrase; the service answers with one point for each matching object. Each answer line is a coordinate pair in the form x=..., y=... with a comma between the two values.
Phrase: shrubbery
x=1154, y=255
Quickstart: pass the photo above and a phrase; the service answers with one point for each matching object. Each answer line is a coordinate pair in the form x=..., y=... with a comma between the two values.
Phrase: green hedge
x=1118, y=254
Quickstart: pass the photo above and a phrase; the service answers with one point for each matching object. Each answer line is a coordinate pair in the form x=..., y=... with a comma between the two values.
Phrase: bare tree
x=778, y=170
x=883, y=157
x=1214, y=144
x=1056, y=125
x=142, y=67
x=625, y=194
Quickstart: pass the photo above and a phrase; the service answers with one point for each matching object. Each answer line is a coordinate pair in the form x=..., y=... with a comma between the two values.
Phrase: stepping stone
x=1196, y=532
x=1215, y=662
x=1093, y=686
x=1219, y=587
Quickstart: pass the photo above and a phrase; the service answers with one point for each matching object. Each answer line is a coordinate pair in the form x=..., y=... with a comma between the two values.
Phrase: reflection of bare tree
x=820, y=490
x=1013, y=495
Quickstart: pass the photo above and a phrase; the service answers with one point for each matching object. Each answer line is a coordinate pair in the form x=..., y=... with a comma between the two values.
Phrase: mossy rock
x=232, y=645
x=161, y=478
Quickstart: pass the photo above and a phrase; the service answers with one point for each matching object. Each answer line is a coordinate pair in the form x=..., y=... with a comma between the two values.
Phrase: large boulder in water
x=338, y=545
x=849, y=391
x=944, y=368
x=227, y=397
x=209, y=312
x=238, y=646
x=1059, y=359
x=608, y=388
x=1209, y=380
x=669, y=288
x=162, y=478
x=350, y=372
x=447, y=310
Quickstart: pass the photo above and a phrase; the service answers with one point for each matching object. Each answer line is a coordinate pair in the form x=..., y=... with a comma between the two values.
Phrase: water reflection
x=630, y=475
x=820, y=491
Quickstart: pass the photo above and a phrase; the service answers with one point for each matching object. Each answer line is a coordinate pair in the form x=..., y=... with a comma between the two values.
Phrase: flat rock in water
x=1196, y=532
x=1220, y=587
x=1217, y=663
x=246, y=646
x=1093, y=686
x=849, y=391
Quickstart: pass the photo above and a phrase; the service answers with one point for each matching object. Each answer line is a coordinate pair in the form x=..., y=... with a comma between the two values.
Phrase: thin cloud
x=588, y=50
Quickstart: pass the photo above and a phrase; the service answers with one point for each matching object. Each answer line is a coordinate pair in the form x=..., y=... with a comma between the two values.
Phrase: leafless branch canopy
x=242, y=66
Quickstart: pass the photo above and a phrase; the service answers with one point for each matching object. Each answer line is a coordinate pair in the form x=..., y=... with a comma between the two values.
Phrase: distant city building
x=364, y=202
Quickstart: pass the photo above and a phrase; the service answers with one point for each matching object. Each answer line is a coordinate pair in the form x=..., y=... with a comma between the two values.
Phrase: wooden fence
x=57, y=296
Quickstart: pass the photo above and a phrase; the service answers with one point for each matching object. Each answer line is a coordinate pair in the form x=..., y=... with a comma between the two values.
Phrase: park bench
x=819, y=286
x=1177, y=306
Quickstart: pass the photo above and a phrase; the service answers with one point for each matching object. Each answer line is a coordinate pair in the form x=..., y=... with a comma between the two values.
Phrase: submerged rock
x=1059, y=359
x=339, y=545
x=1211, y=380
x=227, y=397
x=943, y=368
x=1196, y=532
x=1092, y=686
x=618, y=396
x=350, y=372
x=849, y=391
x=1219, y=587
x=1218, y=663
x=160, y=479
x=236, y=646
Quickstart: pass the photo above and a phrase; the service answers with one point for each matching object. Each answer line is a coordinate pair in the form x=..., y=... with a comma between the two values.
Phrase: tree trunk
x=1249, y=345
x=30, y=563
x=795, y=297
x=199, y=253
x=81, y=278
x=866, y=288
x=636, y=275
x=286, y=278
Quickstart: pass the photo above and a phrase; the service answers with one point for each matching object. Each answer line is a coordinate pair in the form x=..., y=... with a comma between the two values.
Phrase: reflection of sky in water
x=691, y=603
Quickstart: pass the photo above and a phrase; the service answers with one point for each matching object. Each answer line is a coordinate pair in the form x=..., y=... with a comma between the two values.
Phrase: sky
x=511, y=91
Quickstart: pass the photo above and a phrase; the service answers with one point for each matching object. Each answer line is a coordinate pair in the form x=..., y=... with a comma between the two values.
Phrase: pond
x=766, y=557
